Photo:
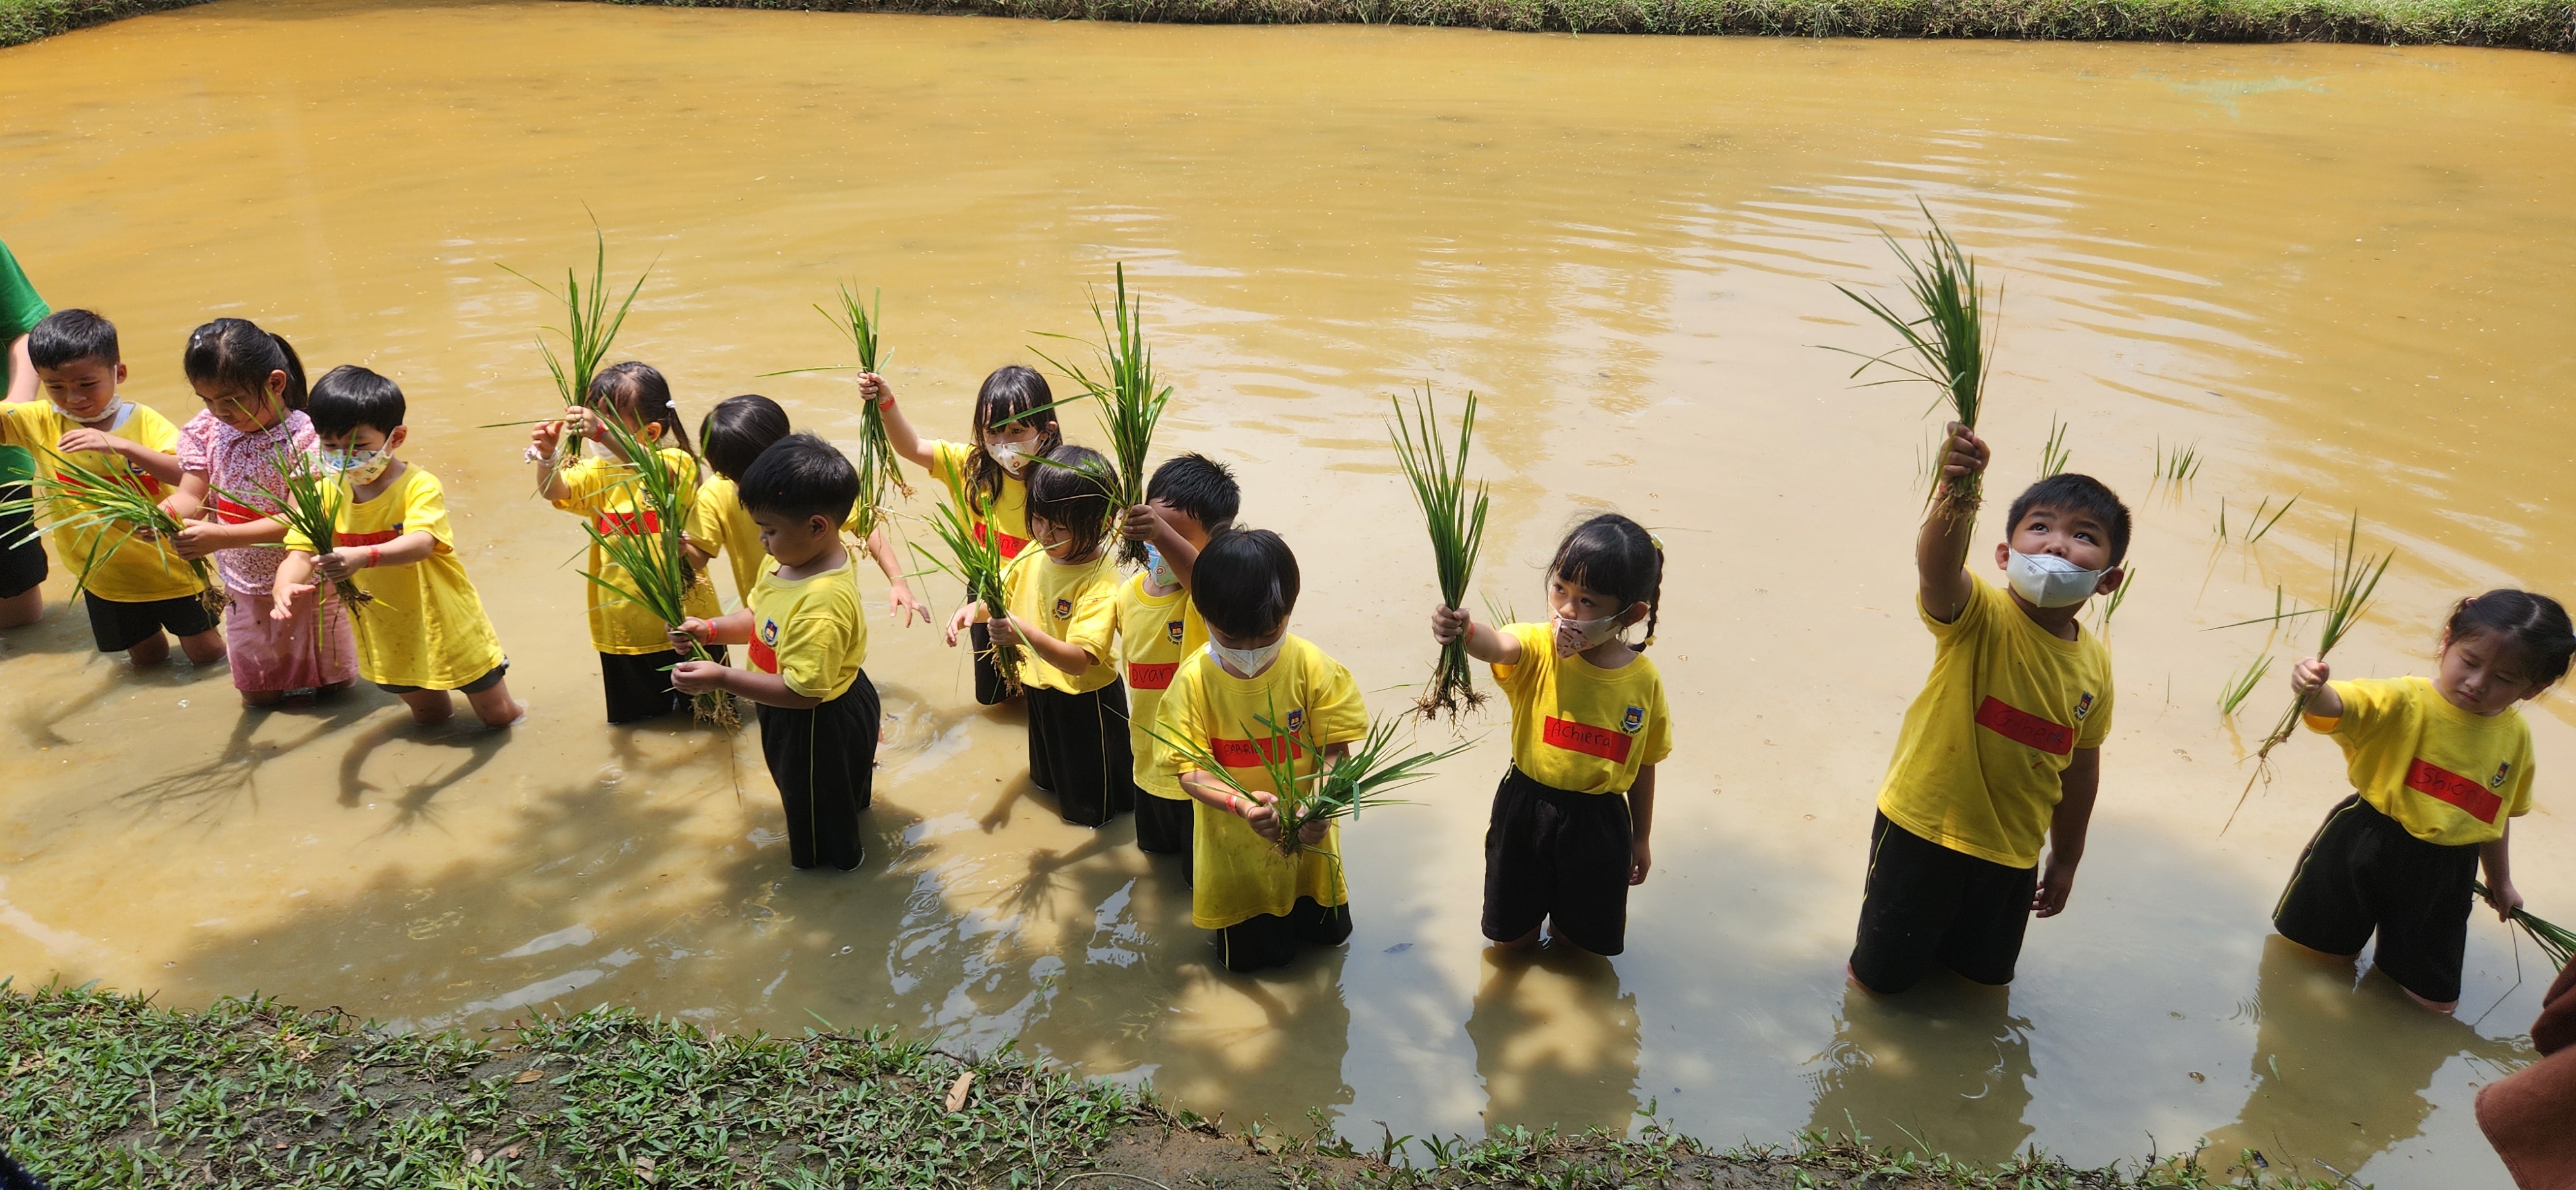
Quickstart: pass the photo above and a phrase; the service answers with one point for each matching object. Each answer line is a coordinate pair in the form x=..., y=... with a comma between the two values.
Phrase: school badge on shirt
x=1173, y=629
x=2497, y=781
x=1064, y=609
x=1296, y=720
x=769, y=633
x=1633, y=720
x=2083, y=706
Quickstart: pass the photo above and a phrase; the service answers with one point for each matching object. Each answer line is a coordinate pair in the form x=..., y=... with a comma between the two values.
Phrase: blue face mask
x=1159, y=569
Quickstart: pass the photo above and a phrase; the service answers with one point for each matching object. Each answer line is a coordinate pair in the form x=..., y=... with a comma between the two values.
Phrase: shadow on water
x=1945, y=1067
x=206, y=791
x=1556, y=1041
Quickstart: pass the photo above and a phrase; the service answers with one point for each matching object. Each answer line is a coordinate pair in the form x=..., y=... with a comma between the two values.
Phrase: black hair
x=69, y=335
x=1245, y=582
x=1014, y=392
x=235, y=356
x=737, y=430
x=638, y=393
x=348, y=396
x=1614, y=556
x=2084, y=494
x=1199, y=486
x=801, y=475
x=2535, y=627
x=1069, y=496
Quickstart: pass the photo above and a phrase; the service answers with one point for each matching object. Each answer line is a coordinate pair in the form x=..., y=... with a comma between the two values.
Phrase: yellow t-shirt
x=810, y=631
x=1010, y=512
x=1237, y=874
x=1154, y=634
x=721, y=526
x=2448, y=776
x=1577, y=726
x=126, y=569
x=1977, y=764
x=427, y=627
x=1075, y=602
x=605, y=493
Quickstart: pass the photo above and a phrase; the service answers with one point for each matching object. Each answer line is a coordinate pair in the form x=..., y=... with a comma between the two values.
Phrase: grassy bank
x=2524, y=24
x=103, y=1090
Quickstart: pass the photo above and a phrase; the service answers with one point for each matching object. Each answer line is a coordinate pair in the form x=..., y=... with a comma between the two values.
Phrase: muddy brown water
x=2338, y=270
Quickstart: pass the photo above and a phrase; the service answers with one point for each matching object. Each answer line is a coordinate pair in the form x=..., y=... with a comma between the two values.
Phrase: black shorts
x=2363, y=873
x=1557, y=855
x=477, y=686
x=22, y=566
x=118, y=626
x=638, y=685
x=989, y=688
x=1165, y=826
x=824, y=760
x=1928, y=906
x=1269, y=940
x=1078, y=750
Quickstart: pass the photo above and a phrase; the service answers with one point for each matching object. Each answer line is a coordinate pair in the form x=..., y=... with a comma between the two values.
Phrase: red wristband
x=371, y=557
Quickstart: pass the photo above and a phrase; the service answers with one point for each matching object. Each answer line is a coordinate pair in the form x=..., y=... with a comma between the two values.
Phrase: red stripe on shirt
x=2024, y=728
x=763, y=658
x=1011, y=546
x=2443, y=785
x=1609, y=745
x=1151, y=675
x=1250, y=754
x=631, y=524
x=379, y=537
x=234, y=513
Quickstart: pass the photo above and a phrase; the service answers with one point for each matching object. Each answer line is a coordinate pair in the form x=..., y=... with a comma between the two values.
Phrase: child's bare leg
x=1523, y=944
x=2445, y=1007
x=24, y=608
x=2323, y=954
x=326, y=691
x=495, y=707
x=429, y=706
x=205, y=648
x=261, y=698
x=150, y=651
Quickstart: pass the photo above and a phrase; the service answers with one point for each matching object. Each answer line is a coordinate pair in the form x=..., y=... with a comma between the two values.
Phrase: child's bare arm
x=160, y=466
x=1641, y=823
x=731, y=628
x=1941, y=549
x=2496, y=857
x=1064, y=655
x=546, y=440
x=2081, y=780
x=1144, y=524
x=294, y=582
x=2308, y=680
x=408, y=549
x=901, y=602
x=1483, y=643
x=899, y=432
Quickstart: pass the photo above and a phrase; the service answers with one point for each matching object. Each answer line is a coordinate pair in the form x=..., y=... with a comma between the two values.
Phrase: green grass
x=2524, y=24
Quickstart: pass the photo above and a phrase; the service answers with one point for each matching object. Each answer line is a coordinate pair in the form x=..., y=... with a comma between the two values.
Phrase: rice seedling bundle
x=589, y=327
x=1131, y=404
x=647, y=548
x=310, y=507
x=879, y=471
x=2240, y=686
x=1457, y=524
x=1363, y=779
x=2356, y=579
x=71, y=498
x=1947, y=337
x=2555, y=941
x=976, y=563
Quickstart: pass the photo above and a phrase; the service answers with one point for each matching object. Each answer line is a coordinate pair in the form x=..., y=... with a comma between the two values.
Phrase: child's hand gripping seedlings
x=654, y=558
x=976, y=563
x=311, y=510
x=589, y=327
x=1457, y=527
x=1948, y=334
x=68, y=497
x=2356, y=579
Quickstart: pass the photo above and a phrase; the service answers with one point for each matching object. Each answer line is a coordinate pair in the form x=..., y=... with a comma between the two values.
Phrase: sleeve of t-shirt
x=1973, y=615
x=583, y=482
x=948, y=463
x=1340, y=714
x=2097, y=722
x=1094, y=628
x=425, y=507
x=1180, y=717
x=807, y=655
x=1657, y=742
x=196, y=443
x=2366, y=705
x=706, y=526
x=18, y=424
x=2518, y=803
x=1538, y=647
x=20, y=308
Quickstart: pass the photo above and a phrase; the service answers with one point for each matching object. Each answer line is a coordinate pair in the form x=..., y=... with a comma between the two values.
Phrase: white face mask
x=2047, y=580
x=361, y=466
x=1159, y=569
x=106, y=417
x=1246, y=663
x=1574, y=636
x=1009, y=455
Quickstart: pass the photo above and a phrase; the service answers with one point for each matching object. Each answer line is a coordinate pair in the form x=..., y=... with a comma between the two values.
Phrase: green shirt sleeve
x=20, y=308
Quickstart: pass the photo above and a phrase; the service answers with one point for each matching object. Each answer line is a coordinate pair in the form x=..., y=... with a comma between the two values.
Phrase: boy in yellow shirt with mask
x=2002, y=749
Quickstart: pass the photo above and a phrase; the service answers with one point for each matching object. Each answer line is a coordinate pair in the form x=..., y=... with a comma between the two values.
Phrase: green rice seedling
x=658, y=572
x=2255, y=530
x=2240, y=686
x=2356, y=580
x=1362, y=779
x=2178, y=466
x=2283, y=608
x=311, y=508
x=2222, y=518
x=1457, y=524
x=2119, y=595
x=2554, y=941
x=1131, y=404
x=589, y=327
x=879, y=469
x=67, y=496
x=2053, y=456
x=1948, y=336
x=977, y=566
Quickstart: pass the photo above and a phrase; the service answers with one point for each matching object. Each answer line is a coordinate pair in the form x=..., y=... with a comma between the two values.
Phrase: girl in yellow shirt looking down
x=2439, y=769
x=1589, y=724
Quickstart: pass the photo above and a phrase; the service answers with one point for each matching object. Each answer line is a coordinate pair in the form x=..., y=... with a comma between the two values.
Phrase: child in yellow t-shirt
x=2440, y=769
x=425, y=631
x=635, y=654
x=2002, y=750
x=1570, y=824
x=134, y=588
x=987, y=479
x=806, y=639
x=1188, y=498
x=732, y=436
x=1063, y=603
x=1264, y=906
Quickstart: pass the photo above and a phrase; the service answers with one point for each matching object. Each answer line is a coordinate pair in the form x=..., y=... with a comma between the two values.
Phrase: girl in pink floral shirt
x=253, y=387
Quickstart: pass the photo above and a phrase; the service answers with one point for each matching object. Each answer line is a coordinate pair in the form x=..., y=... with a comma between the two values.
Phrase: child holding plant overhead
x=987, y=481
x=2440, y=767
x=635, y=653
x=426, y=632
x=1255, y=692
x=808, y=638
x=133, y=584
x=1189, y=498
x=2001, y=752
x=1589, y=724
x=732, y=436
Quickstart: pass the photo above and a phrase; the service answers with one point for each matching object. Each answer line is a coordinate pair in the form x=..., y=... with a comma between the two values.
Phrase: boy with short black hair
x=424, y=632
x=1189, y=498
x=808, y=638
x=133, y=588
x=2002, y=749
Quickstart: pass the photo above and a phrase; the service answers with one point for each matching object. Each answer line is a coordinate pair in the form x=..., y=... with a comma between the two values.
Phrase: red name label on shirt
x=1011, y=546
x=631, y=524
x=763, y=658
x=2024, y=728
x=1250, y=754
x=2443, y=785
x=135, y=479
x=379, y=537
x=233, y=513
x=1585, y=738
x=1151, y=675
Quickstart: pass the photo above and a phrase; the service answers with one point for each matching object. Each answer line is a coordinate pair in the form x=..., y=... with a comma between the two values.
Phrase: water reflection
x=1556, y=1041
x=1943, y=1068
